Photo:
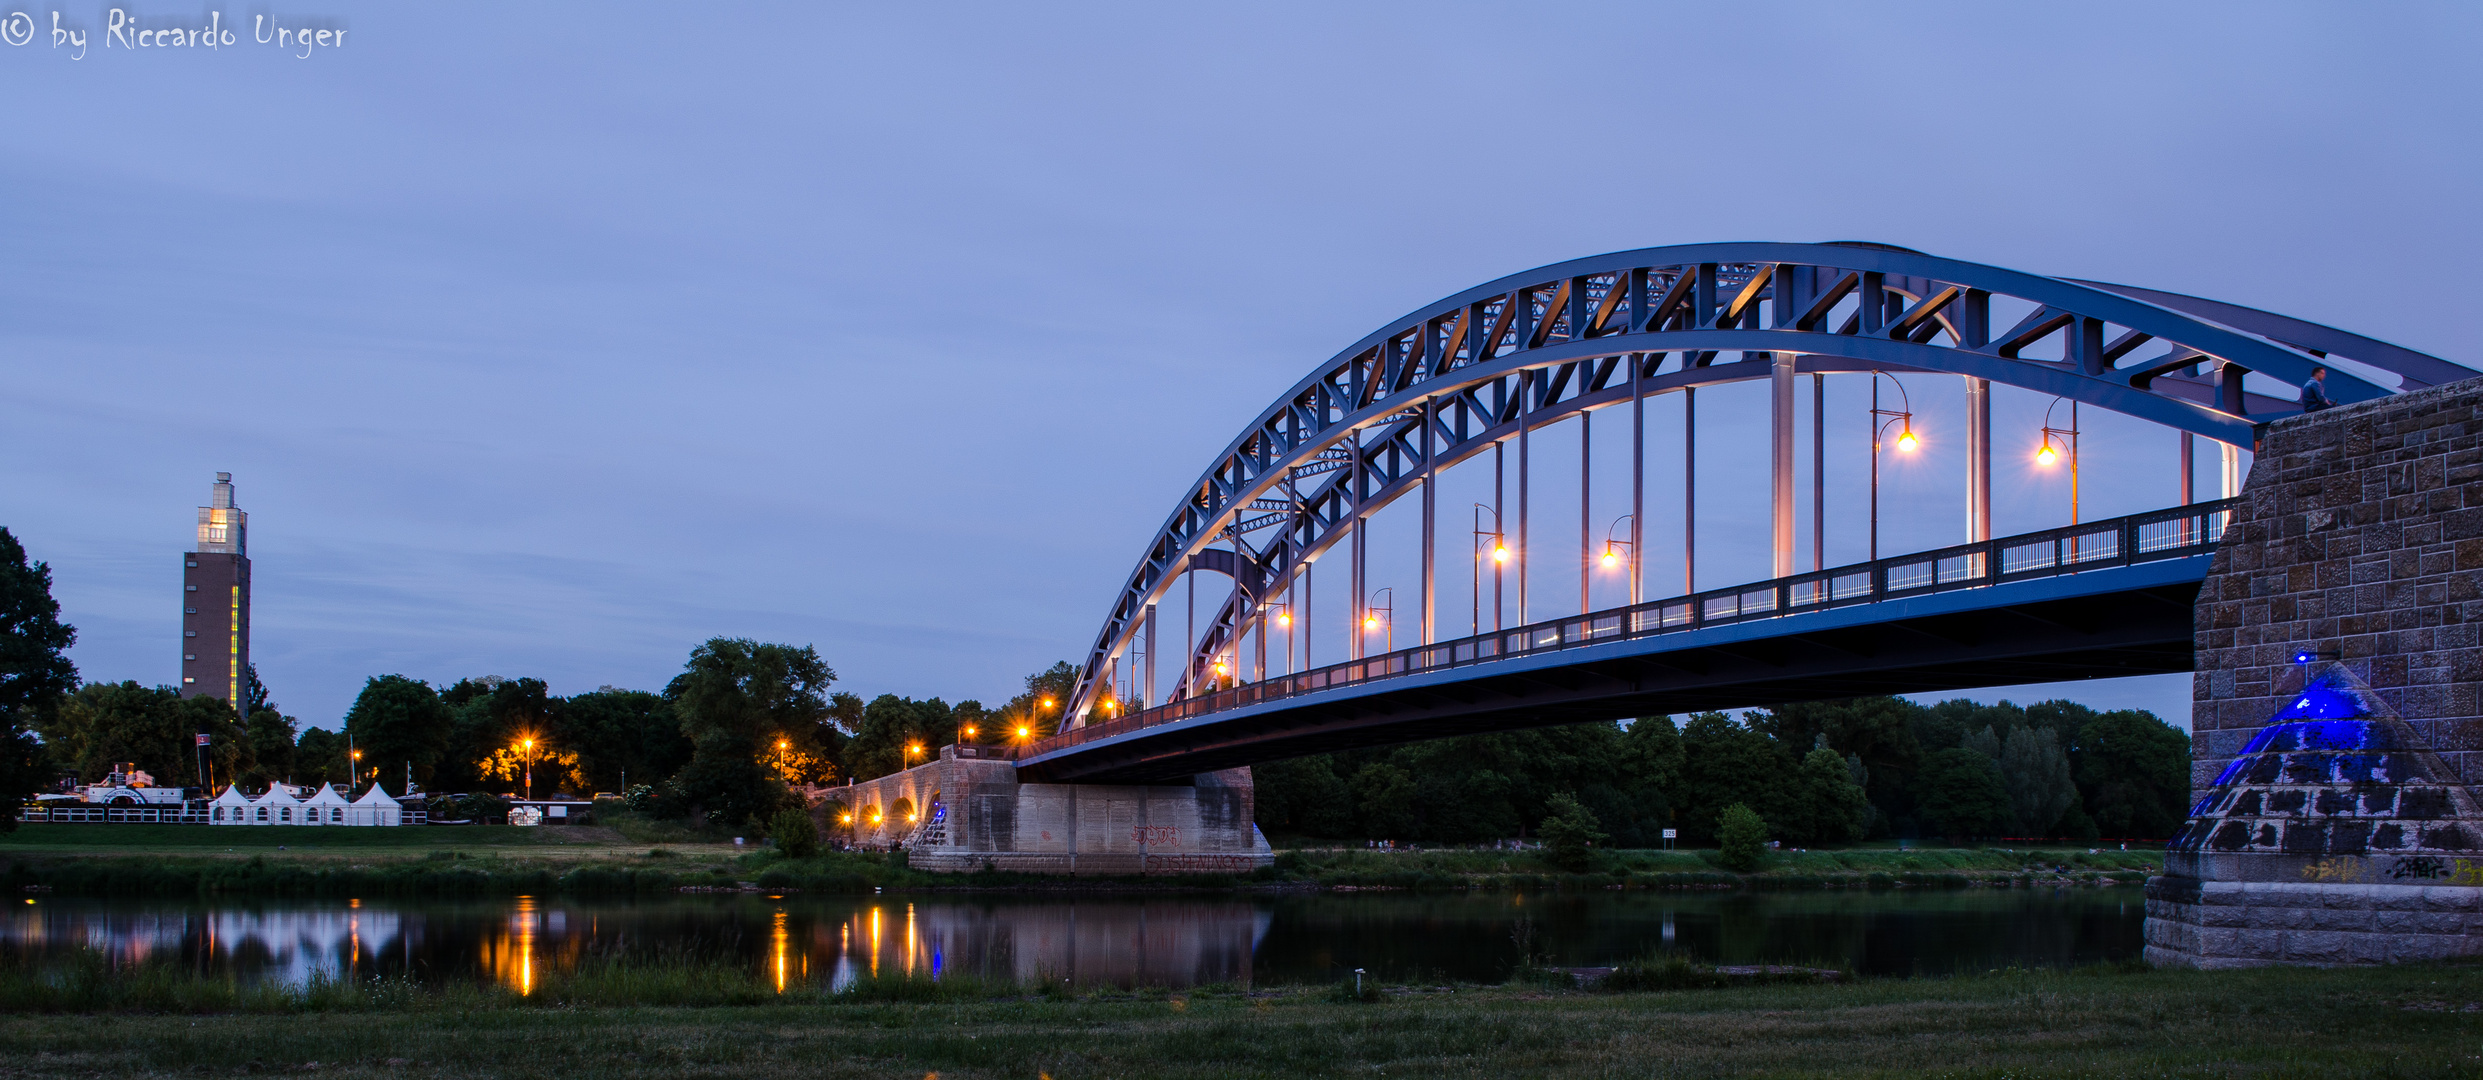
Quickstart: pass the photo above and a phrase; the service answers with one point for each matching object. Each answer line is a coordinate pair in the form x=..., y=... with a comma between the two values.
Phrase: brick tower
x=215, y=600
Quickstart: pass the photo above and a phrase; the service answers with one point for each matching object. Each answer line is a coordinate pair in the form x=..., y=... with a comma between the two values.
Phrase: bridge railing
x=2162, y=534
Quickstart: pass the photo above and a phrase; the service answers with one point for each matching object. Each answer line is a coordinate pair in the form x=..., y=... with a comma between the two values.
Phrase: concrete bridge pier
x=965, y=812
x=2337, y=725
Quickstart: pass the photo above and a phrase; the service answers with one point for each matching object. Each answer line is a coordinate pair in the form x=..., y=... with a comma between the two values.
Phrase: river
x=1172, y=941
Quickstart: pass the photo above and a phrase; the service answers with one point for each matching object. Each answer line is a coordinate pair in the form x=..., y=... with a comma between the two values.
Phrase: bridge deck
x=2107, y=598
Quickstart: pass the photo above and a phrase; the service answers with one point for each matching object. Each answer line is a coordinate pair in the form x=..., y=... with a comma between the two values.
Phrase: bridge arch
x=1463, y=374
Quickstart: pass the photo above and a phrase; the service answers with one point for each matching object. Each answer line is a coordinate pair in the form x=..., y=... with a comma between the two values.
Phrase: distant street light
x=1378, y=617
x=527, y=747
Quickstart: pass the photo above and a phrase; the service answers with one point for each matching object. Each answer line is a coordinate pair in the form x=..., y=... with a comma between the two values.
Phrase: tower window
x=189, y=656
x=192, y=588
x=189, y=633
x=191, y=562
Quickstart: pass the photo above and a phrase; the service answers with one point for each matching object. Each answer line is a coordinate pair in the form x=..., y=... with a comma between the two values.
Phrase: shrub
x=794, y=833
x=1742, y=834
x=483, y=807
x=1570, y=833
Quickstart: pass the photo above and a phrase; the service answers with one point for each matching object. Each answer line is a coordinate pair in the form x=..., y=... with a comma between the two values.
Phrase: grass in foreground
x=2403, y=1022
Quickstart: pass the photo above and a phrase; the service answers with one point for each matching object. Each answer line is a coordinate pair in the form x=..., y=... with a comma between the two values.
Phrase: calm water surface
x=1272, y=940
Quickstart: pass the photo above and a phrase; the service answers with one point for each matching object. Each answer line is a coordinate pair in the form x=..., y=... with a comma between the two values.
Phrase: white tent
x=278, y=807
x=326, y=807
x=230, y=808
x=376, y=808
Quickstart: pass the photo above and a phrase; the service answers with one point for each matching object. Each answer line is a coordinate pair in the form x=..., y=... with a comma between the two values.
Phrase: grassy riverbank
x=1851, y=868
x=2402, y=1022
x=172, y=860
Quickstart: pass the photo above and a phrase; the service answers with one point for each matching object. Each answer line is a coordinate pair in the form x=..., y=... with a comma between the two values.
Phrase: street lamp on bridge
x=1498, y=553
x=1284, y=622
x=1906, y=442
x=1380, y=617
x=1623, y=554
x=2068, y=438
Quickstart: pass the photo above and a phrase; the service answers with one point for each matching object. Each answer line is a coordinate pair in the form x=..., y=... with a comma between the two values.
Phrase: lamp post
x=527, y=746
x=1382, y=618
x=1906, y=442
x=2068, y=437
x=353, y=772
x=1284, y=622
x=1615, y=549
x=1499, y=555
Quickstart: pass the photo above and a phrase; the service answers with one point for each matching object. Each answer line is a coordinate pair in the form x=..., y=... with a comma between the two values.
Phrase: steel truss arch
x=1450, y=379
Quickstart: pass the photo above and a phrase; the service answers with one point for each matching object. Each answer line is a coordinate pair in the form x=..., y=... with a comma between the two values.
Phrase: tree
x=2036, y=770
x=320, y=754
x=734, y=698
x=1029, y=710
x=35, y=672
x=155, y=728
x=1823, y=805
x=1303, y=796
x=1570, y=833
x=624, y=734
x=1384, y=795
x=794, y=832
x=1741, y=834
x=1961, y=793
x=271, y=741
x=254, y=693
x=1722, y=763
x=396, y=721
x=898, y=733
x=2135, y=770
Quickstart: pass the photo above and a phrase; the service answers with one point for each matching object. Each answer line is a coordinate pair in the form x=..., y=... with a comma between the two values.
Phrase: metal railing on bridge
x=2138, y=538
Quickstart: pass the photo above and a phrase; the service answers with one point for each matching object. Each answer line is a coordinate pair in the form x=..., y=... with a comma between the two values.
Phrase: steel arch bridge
x=1486, y=367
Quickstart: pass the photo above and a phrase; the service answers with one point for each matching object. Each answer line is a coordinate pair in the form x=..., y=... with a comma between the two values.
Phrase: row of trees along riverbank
x=1819, y=774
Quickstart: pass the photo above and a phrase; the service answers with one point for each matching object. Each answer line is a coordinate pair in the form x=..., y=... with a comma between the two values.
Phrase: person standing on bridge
x=2315, y=392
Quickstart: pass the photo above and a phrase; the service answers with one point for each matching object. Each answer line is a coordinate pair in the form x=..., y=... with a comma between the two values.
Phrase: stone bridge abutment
x=2337, y=711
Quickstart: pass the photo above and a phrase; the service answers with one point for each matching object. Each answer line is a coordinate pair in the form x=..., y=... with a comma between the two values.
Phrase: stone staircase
x=933, y=832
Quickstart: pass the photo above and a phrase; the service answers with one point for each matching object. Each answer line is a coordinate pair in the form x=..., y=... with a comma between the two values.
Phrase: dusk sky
x=551, y=341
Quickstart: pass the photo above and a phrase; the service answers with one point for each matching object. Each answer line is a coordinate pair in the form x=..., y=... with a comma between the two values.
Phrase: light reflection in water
x=521, y=942
x=778, y=941
x=513, y=955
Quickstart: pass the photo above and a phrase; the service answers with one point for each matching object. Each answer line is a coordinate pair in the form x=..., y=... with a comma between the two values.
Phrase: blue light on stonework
x=2321, y=720
x=2319, y=702
x=2305, y=656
